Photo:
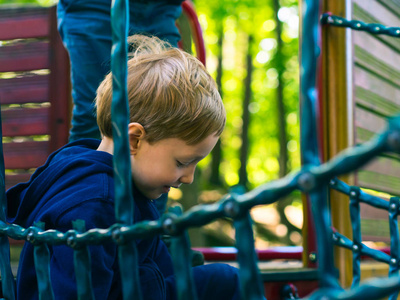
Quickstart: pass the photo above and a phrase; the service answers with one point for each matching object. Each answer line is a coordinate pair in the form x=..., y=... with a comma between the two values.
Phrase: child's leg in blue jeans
x=213, y=282
x=85, y=28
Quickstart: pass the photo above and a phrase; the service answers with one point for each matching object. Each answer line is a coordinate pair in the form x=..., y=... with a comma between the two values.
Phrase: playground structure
x=314, y=179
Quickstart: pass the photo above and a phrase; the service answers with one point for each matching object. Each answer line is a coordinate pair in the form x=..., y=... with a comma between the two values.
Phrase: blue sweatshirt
x=76, y=182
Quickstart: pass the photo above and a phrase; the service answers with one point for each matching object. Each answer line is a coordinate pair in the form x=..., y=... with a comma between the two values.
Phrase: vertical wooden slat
x=336, y=127
x=59, y=87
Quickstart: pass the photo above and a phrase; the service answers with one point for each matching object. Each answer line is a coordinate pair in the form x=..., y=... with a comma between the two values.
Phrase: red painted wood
x=25, y=121
x=229, y=253
x=12, y=12
x=59, y=87
x=27, y=89
x=23, y=27
x=14, y=179
x=24, y=57
x=39, y=48
x=33, y=153
x=189, y=11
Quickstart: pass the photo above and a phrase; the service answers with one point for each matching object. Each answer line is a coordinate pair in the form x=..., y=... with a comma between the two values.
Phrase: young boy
x=176, y=118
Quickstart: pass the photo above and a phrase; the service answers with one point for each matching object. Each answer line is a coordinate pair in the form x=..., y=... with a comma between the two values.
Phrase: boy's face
x=167, y=163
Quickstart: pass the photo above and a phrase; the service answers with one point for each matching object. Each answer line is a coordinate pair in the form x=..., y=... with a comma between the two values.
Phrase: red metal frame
x=189, y=11
x=229, y=253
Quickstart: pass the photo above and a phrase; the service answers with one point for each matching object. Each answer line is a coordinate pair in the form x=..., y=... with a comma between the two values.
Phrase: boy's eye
x=179, y=164
x=182, y=164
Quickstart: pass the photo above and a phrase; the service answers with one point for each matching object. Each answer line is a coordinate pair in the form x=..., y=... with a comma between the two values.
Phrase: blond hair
x=170, y=93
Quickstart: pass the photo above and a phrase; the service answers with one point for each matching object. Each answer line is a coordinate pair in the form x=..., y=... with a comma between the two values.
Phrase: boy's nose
x=188, y=176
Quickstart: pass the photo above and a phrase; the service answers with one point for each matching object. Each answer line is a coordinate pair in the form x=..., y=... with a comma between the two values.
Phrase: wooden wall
x=376, y=88
x=360, y=80
x=35, y=89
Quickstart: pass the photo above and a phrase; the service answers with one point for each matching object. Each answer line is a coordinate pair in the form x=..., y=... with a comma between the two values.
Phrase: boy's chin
x=153, y=195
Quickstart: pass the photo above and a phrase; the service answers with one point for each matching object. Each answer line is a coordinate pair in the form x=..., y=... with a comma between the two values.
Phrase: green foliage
x=31, y=2
x=239, y=19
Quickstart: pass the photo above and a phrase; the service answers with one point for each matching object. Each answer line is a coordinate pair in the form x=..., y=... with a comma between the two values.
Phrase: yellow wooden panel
x=336, y=128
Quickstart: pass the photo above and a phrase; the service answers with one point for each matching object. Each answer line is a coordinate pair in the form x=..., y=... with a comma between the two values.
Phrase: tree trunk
x=282, y=134
x=244, y=150
x=280, y=67
x=216, y=154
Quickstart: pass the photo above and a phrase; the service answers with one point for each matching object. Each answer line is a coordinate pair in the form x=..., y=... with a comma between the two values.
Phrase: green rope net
x=329, y=19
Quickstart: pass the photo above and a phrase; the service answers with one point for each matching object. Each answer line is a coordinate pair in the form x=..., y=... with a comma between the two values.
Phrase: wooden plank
x=369, y=121
x=382, y=174
x=379, y=11
x=373, y=12
x=377, y=66
x=25, y=121
x=59, y=88
x=24, y=27
x=371, y=217
x=24, y=57
x=23, y=11
x=335, y=121
x=25, y=89
x=368, y=125
x=25, y=155
x=376, y=54
x=391, y=5
x=375, y=93
x=14, y=179
x=376, y=102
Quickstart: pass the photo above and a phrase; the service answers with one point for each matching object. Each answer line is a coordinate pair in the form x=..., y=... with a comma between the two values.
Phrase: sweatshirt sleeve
x=154, y=264
x=96, y=214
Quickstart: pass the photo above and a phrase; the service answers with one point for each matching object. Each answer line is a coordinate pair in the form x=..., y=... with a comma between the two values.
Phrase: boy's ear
x=136, y=133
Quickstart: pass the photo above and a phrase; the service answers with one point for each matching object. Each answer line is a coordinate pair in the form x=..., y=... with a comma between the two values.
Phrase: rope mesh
x=359, y=249
x=373, y=28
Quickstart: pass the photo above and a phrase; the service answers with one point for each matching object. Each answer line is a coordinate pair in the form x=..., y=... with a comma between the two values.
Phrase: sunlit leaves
x=238, y=20
x=38, y=2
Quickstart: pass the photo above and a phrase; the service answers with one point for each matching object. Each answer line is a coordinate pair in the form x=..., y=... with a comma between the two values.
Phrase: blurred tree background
x=252, y=52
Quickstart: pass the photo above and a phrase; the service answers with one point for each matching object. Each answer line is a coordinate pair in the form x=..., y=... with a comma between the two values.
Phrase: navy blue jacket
x=76, y=182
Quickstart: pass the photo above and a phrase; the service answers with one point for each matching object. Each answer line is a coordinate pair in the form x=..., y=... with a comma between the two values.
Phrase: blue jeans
x=213, y=282
x=85, y=29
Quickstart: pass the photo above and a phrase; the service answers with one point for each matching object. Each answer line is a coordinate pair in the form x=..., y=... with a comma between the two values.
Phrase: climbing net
x=359, y=249
x=314, y=179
